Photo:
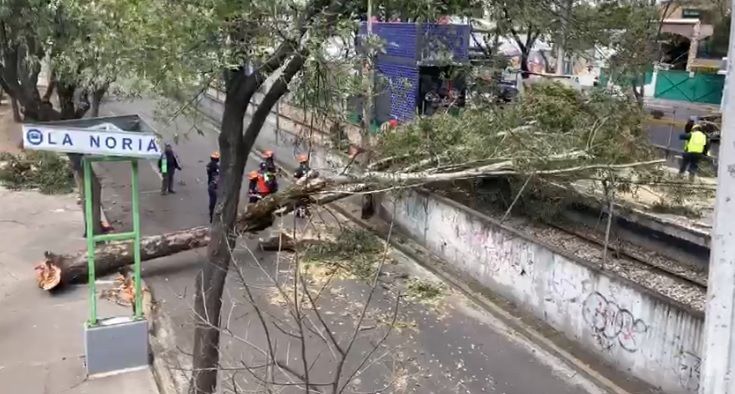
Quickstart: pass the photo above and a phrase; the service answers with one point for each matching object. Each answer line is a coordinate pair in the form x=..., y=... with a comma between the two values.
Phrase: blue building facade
x=411, y=50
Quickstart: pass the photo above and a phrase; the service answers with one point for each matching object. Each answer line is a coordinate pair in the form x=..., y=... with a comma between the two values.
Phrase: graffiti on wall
x=563, y=290
x=688, y=369
x=612, y=324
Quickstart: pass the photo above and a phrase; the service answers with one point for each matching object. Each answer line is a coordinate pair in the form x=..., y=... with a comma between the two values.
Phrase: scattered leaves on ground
x=46, y=171
x=424, y=291
x=352, y=253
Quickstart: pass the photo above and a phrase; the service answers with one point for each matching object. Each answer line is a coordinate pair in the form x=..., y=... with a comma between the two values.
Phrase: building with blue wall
x=413, y=55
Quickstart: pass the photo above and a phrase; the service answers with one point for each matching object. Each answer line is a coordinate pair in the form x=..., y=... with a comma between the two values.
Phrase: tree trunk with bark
x=97, y=96
x=16, y=110
x=75, y=160
x=50, y=87
x=116, y=255
x=210, y=281
x=234, y=148
x=59, y=270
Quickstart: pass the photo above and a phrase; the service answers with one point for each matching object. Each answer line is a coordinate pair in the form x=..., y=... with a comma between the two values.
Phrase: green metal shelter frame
x=94, y=239
x=120, y=138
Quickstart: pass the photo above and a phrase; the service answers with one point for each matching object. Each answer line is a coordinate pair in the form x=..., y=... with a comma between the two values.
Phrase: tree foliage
x=631, y=30
x=70, y=35
x=548, y=121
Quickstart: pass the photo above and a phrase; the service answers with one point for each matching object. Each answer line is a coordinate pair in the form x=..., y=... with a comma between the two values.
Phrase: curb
x=158, y=330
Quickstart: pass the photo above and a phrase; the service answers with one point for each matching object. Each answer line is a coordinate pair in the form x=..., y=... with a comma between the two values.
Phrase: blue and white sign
x=91, y=142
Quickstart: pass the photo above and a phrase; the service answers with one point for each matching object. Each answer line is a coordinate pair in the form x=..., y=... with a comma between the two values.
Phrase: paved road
x=453, y=347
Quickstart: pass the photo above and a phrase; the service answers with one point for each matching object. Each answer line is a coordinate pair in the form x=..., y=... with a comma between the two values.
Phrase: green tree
x=61, y=33
x=260, y=45
x=631, y=30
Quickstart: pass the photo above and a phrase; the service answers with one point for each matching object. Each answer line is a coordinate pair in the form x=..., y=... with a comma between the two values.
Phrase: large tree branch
x=278, y=89
x=291, y=44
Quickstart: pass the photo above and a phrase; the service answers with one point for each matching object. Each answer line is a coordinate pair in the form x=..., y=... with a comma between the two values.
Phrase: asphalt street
x=447, y=346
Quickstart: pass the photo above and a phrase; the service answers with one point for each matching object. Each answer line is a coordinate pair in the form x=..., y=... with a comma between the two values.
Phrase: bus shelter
x=112, y=343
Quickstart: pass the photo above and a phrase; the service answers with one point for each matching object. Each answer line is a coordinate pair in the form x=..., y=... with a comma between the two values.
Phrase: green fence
x=621, y=80
x=679, y=85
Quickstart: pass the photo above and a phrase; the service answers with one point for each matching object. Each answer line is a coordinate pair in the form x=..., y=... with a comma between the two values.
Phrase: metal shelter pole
x=136, y=239
x=88, y=217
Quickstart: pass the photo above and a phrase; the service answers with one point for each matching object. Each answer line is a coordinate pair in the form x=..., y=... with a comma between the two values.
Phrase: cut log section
x=58, y=270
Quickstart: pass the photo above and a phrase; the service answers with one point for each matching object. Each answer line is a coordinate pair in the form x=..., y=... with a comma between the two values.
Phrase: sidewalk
x=42, y=347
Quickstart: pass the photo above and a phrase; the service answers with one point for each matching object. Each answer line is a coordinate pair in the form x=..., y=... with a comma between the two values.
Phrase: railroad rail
x=676, y=270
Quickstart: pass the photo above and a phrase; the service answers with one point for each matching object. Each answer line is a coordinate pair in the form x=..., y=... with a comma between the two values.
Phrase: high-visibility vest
x=696, y=142
x=164, y=164
x=262, y=186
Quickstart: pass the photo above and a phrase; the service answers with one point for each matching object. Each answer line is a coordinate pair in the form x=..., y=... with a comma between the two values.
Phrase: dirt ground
x=10, y=135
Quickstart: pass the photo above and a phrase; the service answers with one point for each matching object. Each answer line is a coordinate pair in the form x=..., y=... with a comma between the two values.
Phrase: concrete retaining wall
x=630, y=327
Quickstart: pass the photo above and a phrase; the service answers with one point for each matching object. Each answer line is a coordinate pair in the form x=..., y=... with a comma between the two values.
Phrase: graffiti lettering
x=612, y=325
x=688, y=371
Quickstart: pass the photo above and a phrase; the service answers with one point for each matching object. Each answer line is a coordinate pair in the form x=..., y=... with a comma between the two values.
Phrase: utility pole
x=367, y=113
x=368, y=208
x=565, y=13
x=718, y=350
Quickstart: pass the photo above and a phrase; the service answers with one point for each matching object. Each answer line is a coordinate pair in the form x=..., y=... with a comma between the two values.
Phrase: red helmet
x=253, y=175
x=268, y=154
x=302, y=158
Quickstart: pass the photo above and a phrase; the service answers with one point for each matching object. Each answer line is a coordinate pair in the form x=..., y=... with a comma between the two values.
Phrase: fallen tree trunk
x=58, y=270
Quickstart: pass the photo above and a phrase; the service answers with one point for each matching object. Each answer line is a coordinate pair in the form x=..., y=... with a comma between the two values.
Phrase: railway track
x=649, y=260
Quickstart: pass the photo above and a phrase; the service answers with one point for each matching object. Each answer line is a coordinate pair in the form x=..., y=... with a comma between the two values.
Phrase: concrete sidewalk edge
x=159, y=330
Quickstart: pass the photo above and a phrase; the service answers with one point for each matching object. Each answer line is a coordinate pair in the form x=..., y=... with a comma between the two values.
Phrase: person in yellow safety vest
x=695, y=147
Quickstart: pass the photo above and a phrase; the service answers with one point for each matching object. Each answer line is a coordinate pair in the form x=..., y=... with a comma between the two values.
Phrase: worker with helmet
x=696, y=146
x=212, y=181
x=257, y=187
x=213, y=166
x=303, y=167
x=268, y=170
x=268, y=164
x=302, y=170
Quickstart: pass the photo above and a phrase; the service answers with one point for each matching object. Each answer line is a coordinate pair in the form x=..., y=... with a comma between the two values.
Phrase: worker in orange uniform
x=258, y=186
x=269, y=171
